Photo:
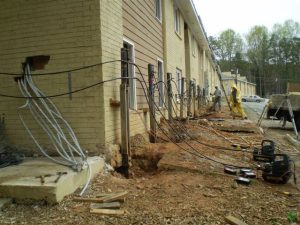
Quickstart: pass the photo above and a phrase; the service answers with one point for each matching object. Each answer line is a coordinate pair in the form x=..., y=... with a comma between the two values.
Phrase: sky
x=241, y=15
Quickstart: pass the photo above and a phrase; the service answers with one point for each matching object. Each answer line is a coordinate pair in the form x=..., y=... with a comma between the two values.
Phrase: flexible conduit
x=58, y=130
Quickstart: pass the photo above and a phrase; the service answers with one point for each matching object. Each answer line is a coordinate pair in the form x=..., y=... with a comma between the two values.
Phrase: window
x=179, y=81
x=160, y=73
x=193, y=45
x=131, y=73
x=177, y=20
x=158, y=11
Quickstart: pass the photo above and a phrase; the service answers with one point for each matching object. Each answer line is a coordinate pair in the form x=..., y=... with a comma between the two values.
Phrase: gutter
x=195, y=23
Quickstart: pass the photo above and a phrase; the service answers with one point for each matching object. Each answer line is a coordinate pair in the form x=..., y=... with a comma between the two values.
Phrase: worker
x=217, y=98
x=235, y=102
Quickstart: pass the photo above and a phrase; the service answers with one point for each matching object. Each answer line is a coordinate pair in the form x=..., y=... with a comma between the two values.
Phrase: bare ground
x=169, y=185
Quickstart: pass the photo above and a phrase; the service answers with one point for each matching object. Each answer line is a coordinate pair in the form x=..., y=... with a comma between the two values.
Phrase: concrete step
x=19, y=182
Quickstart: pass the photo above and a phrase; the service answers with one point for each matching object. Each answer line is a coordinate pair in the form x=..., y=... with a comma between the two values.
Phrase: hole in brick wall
x=37, y=62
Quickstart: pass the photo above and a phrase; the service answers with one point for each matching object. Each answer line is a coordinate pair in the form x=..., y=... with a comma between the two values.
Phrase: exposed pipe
x=58, y=130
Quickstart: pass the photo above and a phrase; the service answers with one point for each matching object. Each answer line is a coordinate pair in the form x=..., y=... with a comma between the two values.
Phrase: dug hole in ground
x=170, y=186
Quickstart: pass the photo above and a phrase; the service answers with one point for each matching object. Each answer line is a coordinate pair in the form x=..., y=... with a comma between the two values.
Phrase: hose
x=58, y=130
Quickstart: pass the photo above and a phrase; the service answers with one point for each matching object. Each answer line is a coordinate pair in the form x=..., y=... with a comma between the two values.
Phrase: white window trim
x=193, y=46
x=179, y=90
x=176, y=9
x=163, y=80
x=134, y=74
x=160, y=11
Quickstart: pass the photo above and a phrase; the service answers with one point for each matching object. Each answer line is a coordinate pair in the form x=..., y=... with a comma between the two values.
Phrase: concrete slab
x=20, y=182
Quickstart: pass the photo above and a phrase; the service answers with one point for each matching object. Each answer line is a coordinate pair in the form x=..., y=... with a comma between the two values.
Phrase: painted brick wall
x=174, y=49
x=111, y=48
x=112, y=42
x=76, y=33
x=68, y=31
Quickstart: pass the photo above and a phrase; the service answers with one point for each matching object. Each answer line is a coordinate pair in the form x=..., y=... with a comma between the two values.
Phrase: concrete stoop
x=21, y=182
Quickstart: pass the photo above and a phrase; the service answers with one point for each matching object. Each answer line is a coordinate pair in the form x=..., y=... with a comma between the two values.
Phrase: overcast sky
x=241, y=15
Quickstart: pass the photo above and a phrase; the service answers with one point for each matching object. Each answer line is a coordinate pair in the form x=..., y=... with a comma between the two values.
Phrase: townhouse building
x=78, y=33
x=247, y=88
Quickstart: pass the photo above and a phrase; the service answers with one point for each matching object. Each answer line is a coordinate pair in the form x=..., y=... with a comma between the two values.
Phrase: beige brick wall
x=111, y=43
x=174, y=49
x=178, y=52
x=195, y=60
x=111, y=50
x=68, y=31
x=78, y=33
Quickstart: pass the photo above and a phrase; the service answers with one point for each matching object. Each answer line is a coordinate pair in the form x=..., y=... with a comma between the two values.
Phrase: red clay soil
x=169, y=185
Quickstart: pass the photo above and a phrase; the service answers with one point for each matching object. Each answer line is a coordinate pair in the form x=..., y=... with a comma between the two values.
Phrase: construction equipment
x=275, y=168
x=247, y=173
x=266, y=153
x=278, y=171
x=243, y=180
x=286, y=107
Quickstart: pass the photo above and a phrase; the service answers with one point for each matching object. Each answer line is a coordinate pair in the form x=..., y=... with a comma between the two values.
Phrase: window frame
x=193, y=46
x=158, y=12
x=178, y=82
x=177, y=21
x=160, y=77
x=132, y=95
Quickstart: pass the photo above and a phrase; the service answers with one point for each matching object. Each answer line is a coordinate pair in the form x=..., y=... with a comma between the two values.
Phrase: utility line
x=64, y=71
x=198, y=154
x=62, y=94
x=184, y=129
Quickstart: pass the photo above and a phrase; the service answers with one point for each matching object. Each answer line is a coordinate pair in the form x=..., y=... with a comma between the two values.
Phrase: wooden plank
x=101, y=195
x=79, y=199
x=106, y=205
x=99, y=200
x=111, y=212
x=234, y=221
x=115, y=197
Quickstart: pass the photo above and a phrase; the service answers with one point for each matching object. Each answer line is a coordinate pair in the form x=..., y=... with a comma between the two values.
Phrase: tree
x=272, y=58
x=258, y=54
x=226, y=46
x=285, y=54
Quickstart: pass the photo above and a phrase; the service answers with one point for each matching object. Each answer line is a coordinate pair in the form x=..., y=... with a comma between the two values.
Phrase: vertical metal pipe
x=125, y=144
x=170, y=95
x=152, y=136
x=70, y=85
x=189, y=105
x=194, y=98
x=182, y=97
x=204, y=96
x=199, y=96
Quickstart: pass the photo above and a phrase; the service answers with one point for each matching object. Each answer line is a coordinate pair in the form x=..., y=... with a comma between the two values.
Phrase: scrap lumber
x=236, y=129
x=110, y=212
x=116, y=197
x=104, y=195
x=234, y=221
x=80, y=199
x=106, y=205
x=106, y=198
